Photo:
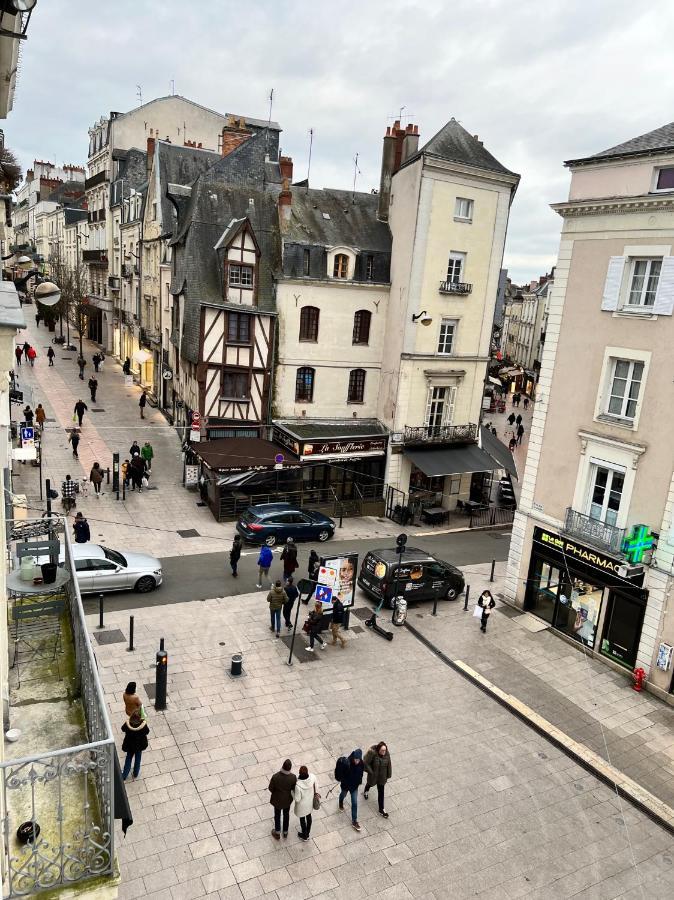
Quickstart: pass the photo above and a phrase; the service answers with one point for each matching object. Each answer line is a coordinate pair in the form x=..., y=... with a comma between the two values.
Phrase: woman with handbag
x=307, y=799
x=485, y=604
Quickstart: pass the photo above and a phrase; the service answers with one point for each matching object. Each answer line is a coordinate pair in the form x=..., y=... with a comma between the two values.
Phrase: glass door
x=622, y=629
x=543, y=591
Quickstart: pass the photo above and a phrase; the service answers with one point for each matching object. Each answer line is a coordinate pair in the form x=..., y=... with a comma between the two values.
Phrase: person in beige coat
x=303, y=794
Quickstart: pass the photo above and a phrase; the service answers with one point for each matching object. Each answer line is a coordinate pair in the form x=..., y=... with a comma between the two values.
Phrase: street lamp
x=47, y=293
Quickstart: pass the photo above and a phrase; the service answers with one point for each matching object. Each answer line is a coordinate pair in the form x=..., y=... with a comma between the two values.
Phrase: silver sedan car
x=100, y=569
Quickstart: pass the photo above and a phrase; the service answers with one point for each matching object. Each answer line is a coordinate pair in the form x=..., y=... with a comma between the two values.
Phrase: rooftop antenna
x=311, y=143
x=356, y=173
x=172, y=86
x=271, y=105
x=139, y=94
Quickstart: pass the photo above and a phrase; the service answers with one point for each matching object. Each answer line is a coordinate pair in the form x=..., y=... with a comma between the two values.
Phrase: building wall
x=628, y=178
x=168, y=118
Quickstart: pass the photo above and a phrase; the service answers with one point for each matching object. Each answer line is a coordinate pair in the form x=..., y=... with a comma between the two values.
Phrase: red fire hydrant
x=639, y=676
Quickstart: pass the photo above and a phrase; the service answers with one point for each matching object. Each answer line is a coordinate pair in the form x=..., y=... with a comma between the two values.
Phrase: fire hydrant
x=639, y=676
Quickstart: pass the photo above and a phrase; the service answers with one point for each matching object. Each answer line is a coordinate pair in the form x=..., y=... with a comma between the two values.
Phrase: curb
x=634, y=793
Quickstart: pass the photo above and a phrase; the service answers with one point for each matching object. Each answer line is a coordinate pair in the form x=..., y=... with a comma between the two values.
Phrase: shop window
x=309, y=316
x=622, y=629
x=341, y=266
x=566, y=601
x=361, y=327
x=304, y=385
x=356, y=386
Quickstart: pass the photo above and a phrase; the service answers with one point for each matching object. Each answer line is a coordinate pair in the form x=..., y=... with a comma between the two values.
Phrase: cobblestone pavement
x=480, y=805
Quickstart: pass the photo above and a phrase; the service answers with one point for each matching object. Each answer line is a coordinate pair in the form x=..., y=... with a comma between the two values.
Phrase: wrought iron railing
x=455, y=287
x=599, y=534
x=438, y=434
x=69, y=791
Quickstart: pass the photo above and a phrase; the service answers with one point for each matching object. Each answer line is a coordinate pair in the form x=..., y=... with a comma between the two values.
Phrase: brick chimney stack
x=286, y=167
x=233, y=135
x=150, y=153
x=399, y=145
x=285, y=199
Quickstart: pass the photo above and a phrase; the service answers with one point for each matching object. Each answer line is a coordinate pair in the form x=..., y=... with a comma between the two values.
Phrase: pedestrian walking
x=526, y=402
x=96, y=478
x=337, y=621
x=132, y=702
x=314, y=626
x=96, y=360
x=142, y=404
x=28, y=415
x=350, y=777
x=32, y=355
x=276, y=598
x=519, y=419
x=134, y=449
x=125, y=472
x=264, y=562
x=78, y=411
x=485, y=603
x=520, y=433
x=312, y=570
x=37, y=319
x=147, y=452
x=303, y=794
x=512, y=443
x=81, y=363
x=377, y=764
x=26, y=348
x=518, y=397
x=281, y=787
x=93, y=387
x=40, y=416
x=292, y=594
x=18, y=353
x=235, y=554
x=126, y=368
x=511, y=419
x=137, y=472
x=74, y=440
x=135, y=741
x=50, y=356
x=81, y=529
x=289, y=558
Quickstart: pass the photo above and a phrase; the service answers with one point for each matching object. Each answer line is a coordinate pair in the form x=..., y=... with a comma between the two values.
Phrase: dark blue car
x=274, y=523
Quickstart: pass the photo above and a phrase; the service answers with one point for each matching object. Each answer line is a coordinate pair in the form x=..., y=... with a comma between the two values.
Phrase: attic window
x=326, y=215
x=341, y=266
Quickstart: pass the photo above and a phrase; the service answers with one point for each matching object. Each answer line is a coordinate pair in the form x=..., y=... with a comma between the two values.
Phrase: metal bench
x=37, y=632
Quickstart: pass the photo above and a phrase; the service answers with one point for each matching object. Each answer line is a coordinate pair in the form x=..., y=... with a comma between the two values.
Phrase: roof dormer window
x=341, y=266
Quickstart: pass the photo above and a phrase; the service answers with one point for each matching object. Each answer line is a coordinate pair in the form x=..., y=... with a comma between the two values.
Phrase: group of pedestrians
x=515, y=422
x=286, y=788
x=25, y=351
x=137, y=467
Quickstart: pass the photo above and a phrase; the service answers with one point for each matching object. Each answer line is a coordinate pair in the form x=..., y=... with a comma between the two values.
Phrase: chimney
x=284, y=204
x=30, y=175
x=286, y=167
x=234, y=133
x=399, y=145
x=410, y=142
x=150, y=152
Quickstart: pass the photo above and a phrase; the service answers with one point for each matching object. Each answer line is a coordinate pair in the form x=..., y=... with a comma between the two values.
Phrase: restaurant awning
x=498, y=451
x=241, y=454
x=452, y=460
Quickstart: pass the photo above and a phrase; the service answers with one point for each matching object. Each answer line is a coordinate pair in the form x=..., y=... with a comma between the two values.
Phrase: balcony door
x=606, y=489
x=439, y=409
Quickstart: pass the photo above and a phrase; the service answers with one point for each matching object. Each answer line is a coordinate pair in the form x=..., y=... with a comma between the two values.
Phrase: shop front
x=581, y=592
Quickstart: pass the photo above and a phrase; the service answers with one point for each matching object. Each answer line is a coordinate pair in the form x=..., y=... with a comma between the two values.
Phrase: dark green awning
x=452, y=460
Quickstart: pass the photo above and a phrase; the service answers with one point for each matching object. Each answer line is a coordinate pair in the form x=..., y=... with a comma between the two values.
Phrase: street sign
x=327, y=575
x=27, y=436
x=195, y=435
x=279, y=458
x=166, y=375
x=191, y=476
x=196, y=420
x=323, y=594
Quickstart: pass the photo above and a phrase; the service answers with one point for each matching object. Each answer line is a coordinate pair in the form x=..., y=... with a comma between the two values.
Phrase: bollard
x=130, y=648
x=435, y=606
x=107, y=475
x=123, y=489
x=237, y=662
x=160, y=680
x=100, y=611
x=465, y=602
x=341, y=516
x=493, y=566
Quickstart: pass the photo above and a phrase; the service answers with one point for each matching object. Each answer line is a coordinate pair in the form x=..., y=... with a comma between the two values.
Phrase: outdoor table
x=435, y=515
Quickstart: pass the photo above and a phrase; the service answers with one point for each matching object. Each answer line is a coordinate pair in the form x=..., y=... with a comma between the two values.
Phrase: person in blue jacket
x=264, y=562
x=350, y=780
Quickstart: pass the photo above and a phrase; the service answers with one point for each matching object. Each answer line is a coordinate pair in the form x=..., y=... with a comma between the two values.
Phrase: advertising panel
x=339, y=573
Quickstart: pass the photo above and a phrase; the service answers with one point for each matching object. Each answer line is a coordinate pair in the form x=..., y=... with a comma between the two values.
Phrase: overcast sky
x=538, y=82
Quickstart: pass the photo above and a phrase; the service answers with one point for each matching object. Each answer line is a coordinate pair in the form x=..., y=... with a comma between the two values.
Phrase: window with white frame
x=644, y=277
x=463, y=209
x=625, y=380
x=455, y=266
x=446, y=338
x=439, y=407
x=665, y=179
x=605, y=494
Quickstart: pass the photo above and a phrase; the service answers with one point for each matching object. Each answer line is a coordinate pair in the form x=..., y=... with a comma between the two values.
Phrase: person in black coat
x=350, y=780
x=281, y=789
x=235, y=554
x=126, y=368
x=520, y=433
x=292, y=594
x=135, y=741
x=81, y=529
x=486, y=603
x=137, y=471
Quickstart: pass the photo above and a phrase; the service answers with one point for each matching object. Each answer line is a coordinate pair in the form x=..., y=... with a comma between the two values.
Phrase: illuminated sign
x=637, y=543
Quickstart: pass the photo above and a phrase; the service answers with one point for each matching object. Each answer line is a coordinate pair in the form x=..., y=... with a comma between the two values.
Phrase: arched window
x=309, y=323
x=361, y=327
x=304, y=385
x=341, y=266
x=356, y=386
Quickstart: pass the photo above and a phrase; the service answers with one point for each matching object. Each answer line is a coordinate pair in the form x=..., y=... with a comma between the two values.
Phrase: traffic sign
x=196, y=420
x=323, y=593
x=279, y=458
x=27, y=436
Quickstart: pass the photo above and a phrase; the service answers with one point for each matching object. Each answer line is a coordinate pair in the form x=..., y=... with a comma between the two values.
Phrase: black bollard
x=435, y=606
x=160, y=680
x=115, y=474
x=107, y=475
x=100, y=611
x=130, y=648
x=493, y=566
x=465, y=602
x=237, y=663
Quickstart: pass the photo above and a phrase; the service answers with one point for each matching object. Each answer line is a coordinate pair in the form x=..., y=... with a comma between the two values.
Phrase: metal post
x=435, y=606
x=341, y=514
x=465, y=602
x=401, y=540
x=160, y=680
x=100, y=611
x=123, y=489
x=48, y=487
x=304, y=586
x=115, y=474
x=39, y=462
x=130, y=648
x=493, y=566
x=107, y=475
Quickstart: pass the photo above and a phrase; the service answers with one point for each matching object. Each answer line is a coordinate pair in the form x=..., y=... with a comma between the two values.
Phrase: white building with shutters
x=600, y=463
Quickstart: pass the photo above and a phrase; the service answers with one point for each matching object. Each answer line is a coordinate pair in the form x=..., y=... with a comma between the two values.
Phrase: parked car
x=420, y=577
x=274, y=523
x=99, y=569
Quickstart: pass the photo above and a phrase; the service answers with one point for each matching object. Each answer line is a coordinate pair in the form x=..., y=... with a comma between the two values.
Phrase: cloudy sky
x=539, y=82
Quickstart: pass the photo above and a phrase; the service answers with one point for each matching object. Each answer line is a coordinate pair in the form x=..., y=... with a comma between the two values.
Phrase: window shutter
x=429, y=399
x=614, y=277
x=664, y=297
x=448, y=417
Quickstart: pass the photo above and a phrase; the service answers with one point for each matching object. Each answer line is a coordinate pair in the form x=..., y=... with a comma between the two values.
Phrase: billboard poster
x=343, y=583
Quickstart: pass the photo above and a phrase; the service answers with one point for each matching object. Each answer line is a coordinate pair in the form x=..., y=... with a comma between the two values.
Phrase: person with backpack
x=303, y=794
x=349, y=773
x=81, y=363
x=235, y=554
x=377, y=764
x=289, y=558
x=292, y=594
x=96, y=478
x=74, y=440
x=93, y=387
x=264, y=562
x=276, y=598
x=281, y=788
x=337, y=621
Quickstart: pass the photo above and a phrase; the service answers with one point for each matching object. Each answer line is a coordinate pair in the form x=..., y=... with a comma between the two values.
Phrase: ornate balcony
x=436, y=434
x=599, y=534
x=455, y=287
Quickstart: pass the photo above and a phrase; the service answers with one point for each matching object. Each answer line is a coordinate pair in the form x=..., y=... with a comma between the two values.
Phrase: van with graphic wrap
x=420, y=577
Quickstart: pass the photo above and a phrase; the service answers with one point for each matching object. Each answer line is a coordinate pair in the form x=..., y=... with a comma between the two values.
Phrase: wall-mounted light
x=47, y=293
x=423, y=317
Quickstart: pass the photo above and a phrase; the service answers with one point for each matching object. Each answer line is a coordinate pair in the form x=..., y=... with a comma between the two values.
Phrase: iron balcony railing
x=599, y=534
x=455, y=287
x=436, y=434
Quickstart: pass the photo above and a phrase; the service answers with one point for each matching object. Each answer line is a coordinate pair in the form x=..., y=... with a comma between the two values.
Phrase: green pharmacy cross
x=638, y=542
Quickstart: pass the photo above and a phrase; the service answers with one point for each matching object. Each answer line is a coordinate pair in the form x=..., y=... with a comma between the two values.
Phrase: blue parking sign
x=323, y=593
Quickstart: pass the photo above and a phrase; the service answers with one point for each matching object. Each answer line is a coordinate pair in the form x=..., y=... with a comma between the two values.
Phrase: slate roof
x=67, y=192
x=132, y=175
x=179, y=165
x=248, y=163
x=455, y=144
x=352, y=220
x=72, y=215
x=656, y=141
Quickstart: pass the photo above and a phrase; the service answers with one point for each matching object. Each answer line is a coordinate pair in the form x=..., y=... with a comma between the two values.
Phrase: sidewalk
x=480, y=805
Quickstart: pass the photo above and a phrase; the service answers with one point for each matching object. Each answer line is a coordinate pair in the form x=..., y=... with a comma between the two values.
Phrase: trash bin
x=48, y=573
